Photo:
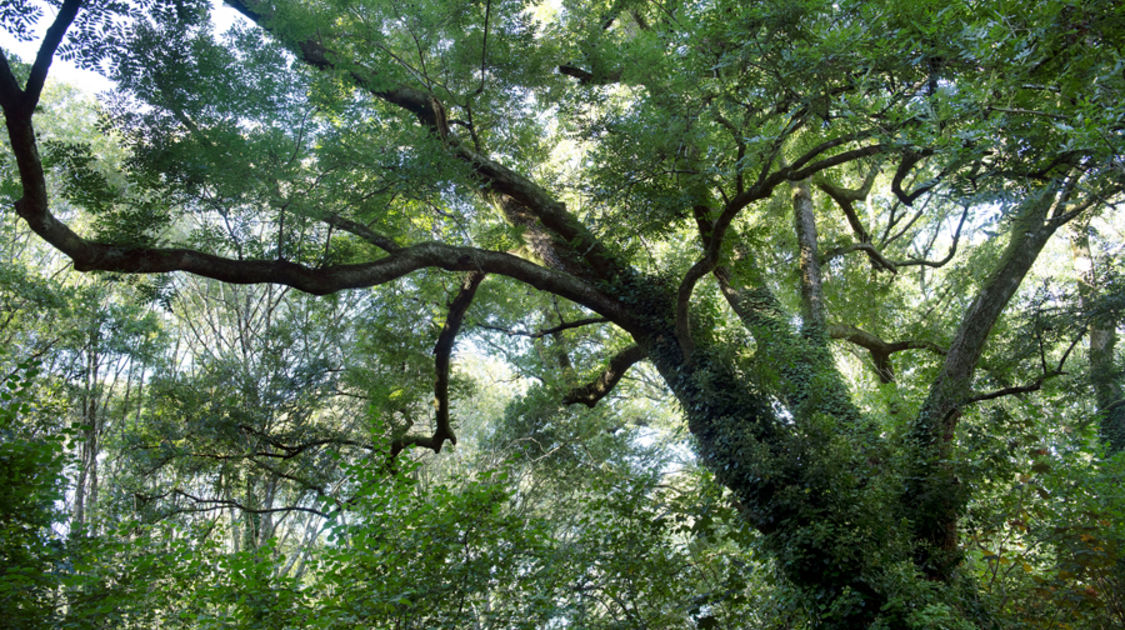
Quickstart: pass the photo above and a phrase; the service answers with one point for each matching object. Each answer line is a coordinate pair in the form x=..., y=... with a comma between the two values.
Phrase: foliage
x=31, y=485
x=716, y=313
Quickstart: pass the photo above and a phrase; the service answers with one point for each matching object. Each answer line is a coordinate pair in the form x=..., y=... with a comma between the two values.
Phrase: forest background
x=589, y=315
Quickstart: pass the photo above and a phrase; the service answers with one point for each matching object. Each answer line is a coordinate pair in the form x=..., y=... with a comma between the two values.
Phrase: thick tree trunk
x=801, y=482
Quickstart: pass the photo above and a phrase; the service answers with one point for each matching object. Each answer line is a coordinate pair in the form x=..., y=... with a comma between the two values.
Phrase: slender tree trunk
x=934, y=497
x=1102, y=330
x=86, y=484
x=812, y=292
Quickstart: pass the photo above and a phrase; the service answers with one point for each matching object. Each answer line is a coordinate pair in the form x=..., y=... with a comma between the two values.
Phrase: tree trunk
x=797, y=481
x=1102, y=329
x=934, y=497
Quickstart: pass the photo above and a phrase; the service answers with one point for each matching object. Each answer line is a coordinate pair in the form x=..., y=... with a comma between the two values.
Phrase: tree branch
x=717, y=232
x=909, y=159
x=585, y=77
x=94, y=256
x=10, y=92
x=356, y=228
x=552, y=232
x=879, y=261
x=932, y=489
x=67, y=12
x=1028, y=234
x=1034, y=386
x=219, y=504
x=880, y=350
x=547, y=331
x=1037, y=384
x=846, y=198
x=293, y=451
x=442, y=351
x=591, y=393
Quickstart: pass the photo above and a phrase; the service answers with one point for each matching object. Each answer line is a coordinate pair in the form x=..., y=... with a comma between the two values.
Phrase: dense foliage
x=716, y=314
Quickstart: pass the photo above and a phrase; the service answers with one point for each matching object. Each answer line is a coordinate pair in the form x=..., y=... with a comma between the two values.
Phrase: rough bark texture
x=812, y=290
x=934, y=498
x=804, y=464
x=1102, y=331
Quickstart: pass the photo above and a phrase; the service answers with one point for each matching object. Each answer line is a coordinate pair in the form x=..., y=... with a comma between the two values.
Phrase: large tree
x=739, y=193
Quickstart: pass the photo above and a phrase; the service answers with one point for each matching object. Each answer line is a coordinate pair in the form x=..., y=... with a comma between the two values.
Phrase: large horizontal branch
x=303, y=483
x=233, y=457
x=94, y=256
x=443, y=350
x=594, y=391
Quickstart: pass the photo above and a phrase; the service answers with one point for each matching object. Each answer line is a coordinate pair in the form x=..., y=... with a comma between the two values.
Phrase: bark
x=443, y=351
x=592, y=392
x=846, y=200
x=880, y=350
x=715, y=232
x=933, y=498
x=555, y=235
x=779, y=474
x=812, y=290
x=800, y=461
x=1102, y=331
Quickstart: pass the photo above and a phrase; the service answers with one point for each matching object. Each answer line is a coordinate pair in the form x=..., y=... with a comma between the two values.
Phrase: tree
x=737, y=194
x=30, y=466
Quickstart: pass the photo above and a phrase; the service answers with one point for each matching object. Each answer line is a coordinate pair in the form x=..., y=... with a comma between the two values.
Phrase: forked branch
x=846, y=199
x=880, y=350
x=909, y=159
x=594, y=391
x=1035, y=385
